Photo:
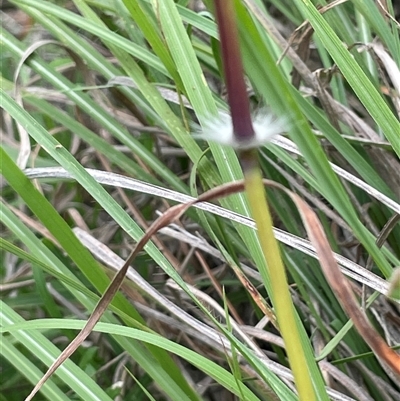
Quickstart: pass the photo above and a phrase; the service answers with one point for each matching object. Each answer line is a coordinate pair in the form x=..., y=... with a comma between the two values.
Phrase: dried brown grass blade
x=107, y=297
x=341, y=286
x=170, y=215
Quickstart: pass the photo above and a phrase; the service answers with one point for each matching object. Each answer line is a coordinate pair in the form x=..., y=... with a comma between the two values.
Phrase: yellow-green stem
x=281, y=298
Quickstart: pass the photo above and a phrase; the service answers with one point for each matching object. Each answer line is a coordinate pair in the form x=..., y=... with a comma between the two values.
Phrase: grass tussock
x=103, y=104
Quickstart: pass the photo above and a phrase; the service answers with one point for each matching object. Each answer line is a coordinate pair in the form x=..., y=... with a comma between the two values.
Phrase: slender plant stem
x=242, y=132
x=281, y=298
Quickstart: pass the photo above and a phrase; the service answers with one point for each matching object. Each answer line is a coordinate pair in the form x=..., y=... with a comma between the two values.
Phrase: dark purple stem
x=233, y=70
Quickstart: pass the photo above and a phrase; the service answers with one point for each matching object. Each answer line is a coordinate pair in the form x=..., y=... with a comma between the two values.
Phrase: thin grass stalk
x=242, y=134
x=281, y=298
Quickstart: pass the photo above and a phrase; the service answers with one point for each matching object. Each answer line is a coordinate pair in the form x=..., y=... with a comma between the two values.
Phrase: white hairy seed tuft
x=220, y=130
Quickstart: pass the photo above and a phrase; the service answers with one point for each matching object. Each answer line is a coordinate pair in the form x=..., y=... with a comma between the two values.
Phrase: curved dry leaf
x=25, y=144
x=171, y=214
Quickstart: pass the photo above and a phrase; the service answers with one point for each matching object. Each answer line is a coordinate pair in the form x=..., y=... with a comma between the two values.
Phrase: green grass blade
x=214, y=370
x=46, y=352
x=15, y=357
x=61, y=13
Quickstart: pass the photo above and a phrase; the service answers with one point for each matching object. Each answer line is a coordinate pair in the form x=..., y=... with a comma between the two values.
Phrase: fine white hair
x=219, y=129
